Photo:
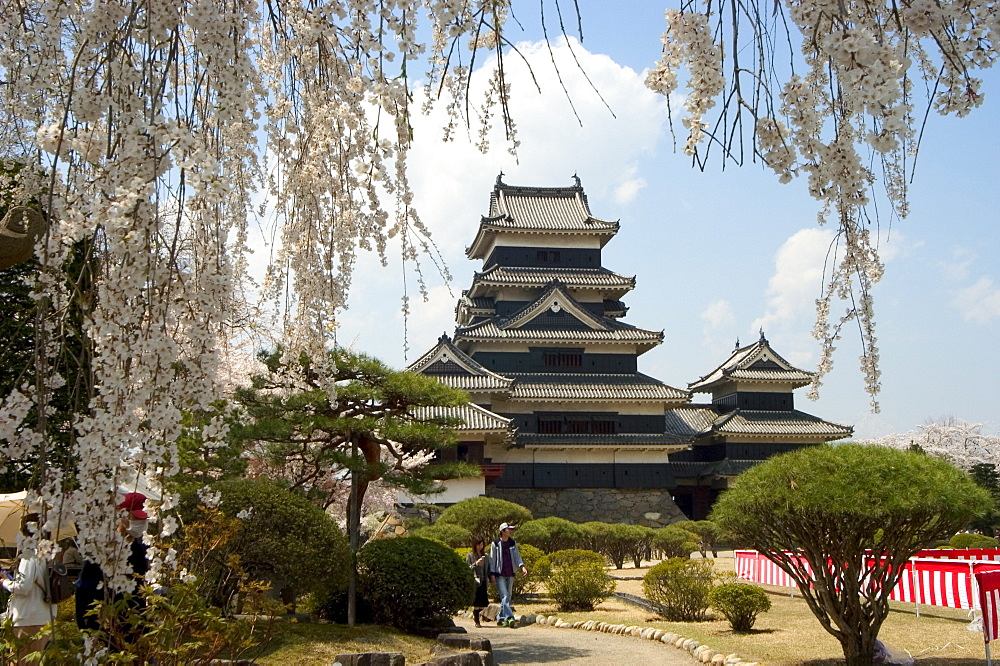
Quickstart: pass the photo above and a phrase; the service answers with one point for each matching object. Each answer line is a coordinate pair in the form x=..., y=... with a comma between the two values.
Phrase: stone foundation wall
x=652, y=508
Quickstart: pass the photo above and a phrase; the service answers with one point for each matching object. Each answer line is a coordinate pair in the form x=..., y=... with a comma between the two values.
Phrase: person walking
x=27, y=608
x=505, y=560
x=132, y=522
x=478, y=561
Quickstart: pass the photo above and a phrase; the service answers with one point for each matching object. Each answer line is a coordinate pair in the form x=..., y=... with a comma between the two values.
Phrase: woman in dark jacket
x=480, y=565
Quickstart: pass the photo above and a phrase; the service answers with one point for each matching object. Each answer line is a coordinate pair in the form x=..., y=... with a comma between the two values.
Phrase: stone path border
x=702, y=653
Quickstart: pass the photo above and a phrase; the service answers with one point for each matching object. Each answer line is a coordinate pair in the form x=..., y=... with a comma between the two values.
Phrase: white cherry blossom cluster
x=829, y=88
x=688, y=43
x=152, y=129
x=961, y=442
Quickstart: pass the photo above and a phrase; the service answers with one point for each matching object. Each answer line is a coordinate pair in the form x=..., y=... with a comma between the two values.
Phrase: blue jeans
x=505, y=584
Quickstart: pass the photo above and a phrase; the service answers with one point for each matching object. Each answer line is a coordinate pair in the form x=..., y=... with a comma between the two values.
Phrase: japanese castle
x=561, y=420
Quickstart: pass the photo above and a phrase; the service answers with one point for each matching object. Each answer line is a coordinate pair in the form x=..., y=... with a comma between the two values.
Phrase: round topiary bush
x=968, y=540
x=280, y=537
x=740, y=603
x=562, y=558
x=576, y=579
x=449, y=534
x=679, y=588
x=413, y=582
x=482, y=516
x=674, y=541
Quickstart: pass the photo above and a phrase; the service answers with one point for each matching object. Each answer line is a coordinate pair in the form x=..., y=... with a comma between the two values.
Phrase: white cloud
x=958, y=267
x=980, y=302
x=628, y=187
x=797, y=279
x=718, y=314
x=452, y=180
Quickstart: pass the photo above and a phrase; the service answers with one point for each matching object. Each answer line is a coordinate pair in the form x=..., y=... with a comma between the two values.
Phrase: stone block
x=452, y=640
x=459, y=659
x=372, y=659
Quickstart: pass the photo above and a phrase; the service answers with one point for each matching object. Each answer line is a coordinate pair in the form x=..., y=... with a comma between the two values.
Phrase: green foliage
x=410, y=582
x=482, y=516
x=175, y=629
x=621, y=542
x=595, y=536
x=201, y=464
x=986, y=476
x=969, y=540
x=524, y=585
x=674, y=541
x=563, y=558
x=454, y=536
x=69, y=356
x=551, y=534
x=291, y=416
x=830, y=505
x=282, y=538
x=740, y=603
x=678, y=588
x=579, y=584
x=707, y=534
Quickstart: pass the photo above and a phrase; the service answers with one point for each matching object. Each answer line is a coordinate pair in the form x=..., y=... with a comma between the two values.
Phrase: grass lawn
x=790, y=634
x=308, y=644
x=787, y=634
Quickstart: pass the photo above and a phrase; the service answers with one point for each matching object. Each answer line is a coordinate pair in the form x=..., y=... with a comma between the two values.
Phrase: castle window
x=548, y=256
x=563, y=359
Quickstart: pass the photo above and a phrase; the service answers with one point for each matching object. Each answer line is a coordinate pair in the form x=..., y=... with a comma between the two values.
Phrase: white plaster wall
x=456, y=490
x=506, y=239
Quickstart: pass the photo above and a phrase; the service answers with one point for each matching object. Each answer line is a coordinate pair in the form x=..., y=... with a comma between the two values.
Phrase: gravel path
x=538, y=645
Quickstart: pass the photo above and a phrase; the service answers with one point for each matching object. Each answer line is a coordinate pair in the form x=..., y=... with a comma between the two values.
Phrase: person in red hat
x=134, y=503
x=132, y=526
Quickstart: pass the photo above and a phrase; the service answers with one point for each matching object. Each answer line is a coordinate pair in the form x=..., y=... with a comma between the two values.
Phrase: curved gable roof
x=455, y=368
x=555, y=298
x=559, y=210
x=754, y=363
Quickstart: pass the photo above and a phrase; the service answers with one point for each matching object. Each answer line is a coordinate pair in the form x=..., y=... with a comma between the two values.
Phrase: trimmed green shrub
x=740, y=603
x=967, y=540
x=551, y=534
x=622, y=541
x=524, y=585
x=708, y=533
x=281, y=538
x=674, y=541
x=563, y=558
x=454, y=536
x=576, y=579
x=678, y=588
x=482, y=516
x=595, y=535
x=413, y=582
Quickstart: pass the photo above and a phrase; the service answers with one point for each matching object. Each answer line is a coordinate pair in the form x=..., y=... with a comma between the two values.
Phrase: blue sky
x=721, y=253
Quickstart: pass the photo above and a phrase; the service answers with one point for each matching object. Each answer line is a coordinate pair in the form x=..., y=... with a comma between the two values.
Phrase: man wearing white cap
x=505, y=560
